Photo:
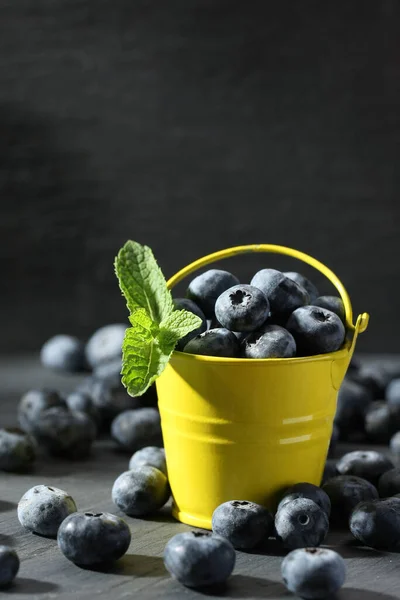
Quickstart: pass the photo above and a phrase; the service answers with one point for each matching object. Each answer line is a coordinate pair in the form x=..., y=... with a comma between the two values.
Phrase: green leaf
x=177, y=325
x=143, y=359
x=142, y=281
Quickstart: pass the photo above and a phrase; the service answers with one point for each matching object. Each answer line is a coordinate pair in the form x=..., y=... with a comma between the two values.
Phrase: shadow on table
x=356, y=594
x=6, y=506
x=23, y=585
x=136, y=565
x=344, y=543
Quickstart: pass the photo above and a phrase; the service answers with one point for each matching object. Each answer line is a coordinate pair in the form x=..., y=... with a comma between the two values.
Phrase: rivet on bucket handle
x=362, y=320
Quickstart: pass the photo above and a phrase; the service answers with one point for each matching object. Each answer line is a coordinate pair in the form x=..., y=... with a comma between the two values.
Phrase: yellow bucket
x=243, y=429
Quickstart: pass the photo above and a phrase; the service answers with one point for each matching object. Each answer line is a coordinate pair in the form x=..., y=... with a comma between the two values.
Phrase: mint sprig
x=156, y=326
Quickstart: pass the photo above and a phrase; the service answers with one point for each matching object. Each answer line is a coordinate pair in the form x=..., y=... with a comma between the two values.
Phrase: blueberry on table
x=189, y=305
x=284, y=294
x=109, y=371
x=301, y=522
x=395, y=444
x=306, y=490
x=313, y=573
x=271, y=341
x=214, y=342
x=105, y=344
x=33, y=403
x=93, y=538
x=151, y=456
x=17, y=451
x=330, y=470
x=352, y=404
x=389, y=483
x=382, y=420
x=141, y=491
x=316, y=330
x=42, y=509
x=199, y=559
x=345, y=492
x=65, y=433
x=377, y=523
x=375, y=377
x=245, y=524
x=392, y=393
x=9, y=565
x=368, y=464
x=64, y=353
x=207, y=287
x=332, y=303
x=108, y=396
x=242, y=308
x=82, y=402
x=305, y=283
x=135, y=429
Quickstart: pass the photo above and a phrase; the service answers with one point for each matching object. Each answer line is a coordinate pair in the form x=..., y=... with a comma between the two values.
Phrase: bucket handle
x=362, y=320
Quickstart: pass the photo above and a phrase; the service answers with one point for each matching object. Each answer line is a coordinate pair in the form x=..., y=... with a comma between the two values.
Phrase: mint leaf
x=156, y=326
x=141, y=281
x=177, y=325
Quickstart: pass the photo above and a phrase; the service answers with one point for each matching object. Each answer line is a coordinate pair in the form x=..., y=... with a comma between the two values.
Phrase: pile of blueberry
x=360, y=490
x=279, y=315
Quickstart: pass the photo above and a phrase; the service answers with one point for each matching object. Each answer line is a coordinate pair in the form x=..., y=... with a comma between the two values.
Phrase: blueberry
x=109, y=397
x=214, y=342
x=82, y=402
x=367, y=464
x=245, y=524
x=377, y=523
x=65, y=433
x=93, y=538
x=389, y=483
x=242, y=308
x=42, y=509
x=9, y=565
x=109, y=371
x=64, y=353
x=17, y=452
x=33, y=403
x=395, y=444
x=354, y=365
x=205, y=289
x=392, y=392
x=301, y=522
x=150, y=456
x=105, y=344
x=189, y=305
x=135, y=429
x=141, y=491
x=332, y=303
x=316, y=330
x=313, y=573
x=382, y=420
x=345, y=492
x=375, y=377
x=304, y=283
x=307, y=490
x=352, y=404
x=271, y=341
x=199, y=559
x=330, y=470
x=284, y=294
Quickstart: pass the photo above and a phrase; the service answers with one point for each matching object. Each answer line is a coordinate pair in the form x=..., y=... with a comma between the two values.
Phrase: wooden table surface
x=140, y=574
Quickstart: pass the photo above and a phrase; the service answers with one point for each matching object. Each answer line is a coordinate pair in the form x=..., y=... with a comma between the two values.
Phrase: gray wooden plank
x=45, y=573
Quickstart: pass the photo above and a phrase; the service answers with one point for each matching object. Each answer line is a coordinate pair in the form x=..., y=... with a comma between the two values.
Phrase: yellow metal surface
x=243, y=429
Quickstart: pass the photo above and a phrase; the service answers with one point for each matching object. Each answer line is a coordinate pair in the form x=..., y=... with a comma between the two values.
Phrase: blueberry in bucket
x=242, y=308
x=189, y=305
x=284, y=294
x=305, y=283
x=198, y=559
x=245, y=524
x=271, y=341
x=332, y=303
x=316, y=330
x=214, y=342
x=207, y=287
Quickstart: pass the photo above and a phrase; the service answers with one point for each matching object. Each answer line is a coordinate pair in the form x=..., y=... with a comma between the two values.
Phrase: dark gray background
x=191, y=126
